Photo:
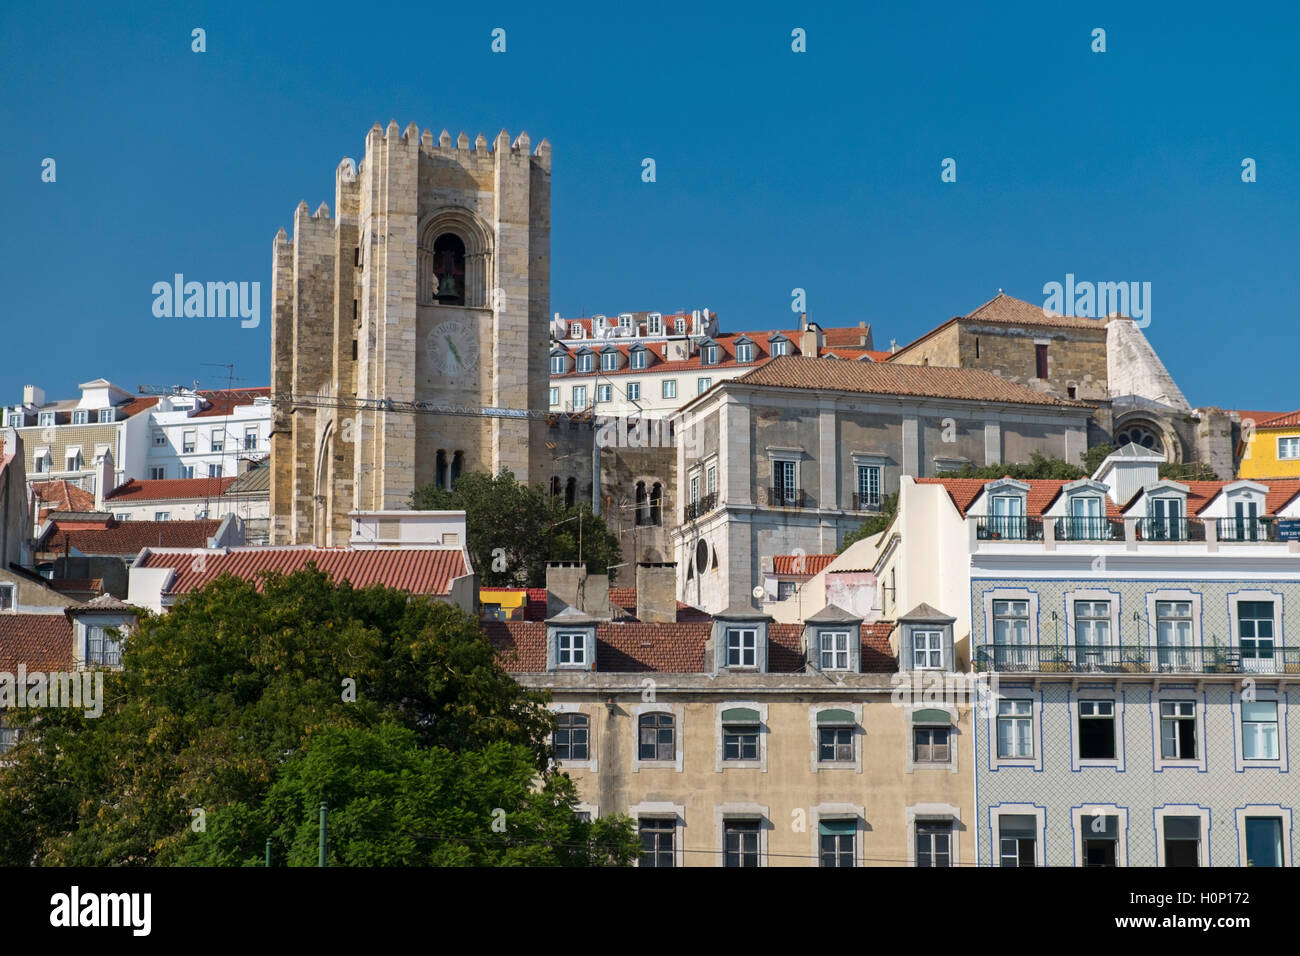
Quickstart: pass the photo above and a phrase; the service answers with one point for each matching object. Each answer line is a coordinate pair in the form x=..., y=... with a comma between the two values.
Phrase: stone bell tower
x=430, y=283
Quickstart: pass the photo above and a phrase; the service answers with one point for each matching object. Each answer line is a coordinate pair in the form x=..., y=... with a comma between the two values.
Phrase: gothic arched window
x=440, y=470
x=570, y=492
x=1139, y=433
x=657, y=504
x=457, y=463
x=449, y=269
x=640, y=513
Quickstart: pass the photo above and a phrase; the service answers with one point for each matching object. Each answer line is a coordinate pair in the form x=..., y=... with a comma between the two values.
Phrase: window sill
x=742, y=764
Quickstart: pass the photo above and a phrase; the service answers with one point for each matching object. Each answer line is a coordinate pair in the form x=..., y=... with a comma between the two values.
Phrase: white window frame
x=1165, y=695
x=157, y=472
x=586, y=362
x=557, y=364
x=189, y=442
x=1280, y=764
x=1092, y=595
x=822, y=634
x=997, y=811
x=858, y=729
x=720, y=763
x=1016, y=692
x=1279, y=620
x=679, y=326
x=1285, y=441
x=555, y=395
x=107, y=416
x=1101, y=809
x=994, y=595
x=609, y=361
x=579, y=397
x=753, y=649
x=745, y=352
x=668, y=388
x=162, y=516
x=1176, y=596
x=862, y=468
x=604, y=394
x=640, y=358
x=633, y=391
x=45, y=419
x=703, y=384
x=80, y=416
x=1264, y=810
x=1094, y=692
x=575, y=330
x=1182, y=810
x=577, y=652
x=928, y=650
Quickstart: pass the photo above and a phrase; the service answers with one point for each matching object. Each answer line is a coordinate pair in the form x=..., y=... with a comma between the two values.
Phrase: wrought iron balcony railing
x=1076, y=528
x=1246, y=529
x=866, y=502
x=1170, y=529
x=783, y=497
x=1135, y=659
x=1008, y=528
x=703, y=506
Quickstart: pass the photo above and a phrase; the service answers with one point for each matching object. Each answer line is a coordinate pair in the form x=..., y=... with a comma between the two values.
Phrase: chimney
x=656, y=592
x=569, y=585
x=33, y=395
x=810, y=338
x=105, y=473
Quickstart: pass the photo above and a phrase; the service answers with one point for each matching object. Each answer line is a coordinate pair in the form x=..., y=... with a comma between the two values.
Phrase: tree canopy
x=514, y=529
x=236, y=714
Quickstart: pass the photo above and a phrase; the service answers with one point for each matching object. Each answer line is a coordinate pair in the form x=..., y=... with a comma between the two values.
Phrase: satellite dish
x=758, y=592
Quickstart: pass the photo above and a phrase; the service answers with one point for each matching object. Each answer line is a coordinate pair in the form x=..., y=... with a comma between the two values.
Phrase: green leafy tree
x=875, y=524
x=1038, y=466
x=1094, y=456
x=219, y=700
x=515, y=529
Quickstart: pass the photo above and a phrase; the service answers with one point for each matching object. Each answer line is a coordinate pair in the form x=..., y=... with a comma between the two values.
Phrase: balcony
x=1008, y=528
x=1247, y=529
x=1076, y=528
x=1170, y=529
x=1136, y=659
x=782, y=497
x=866, y=502
x=695, y=509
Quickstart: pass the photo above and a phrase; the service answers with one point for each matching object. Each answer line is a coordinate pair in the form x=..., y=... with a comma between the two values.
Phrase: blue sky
x=775, y=170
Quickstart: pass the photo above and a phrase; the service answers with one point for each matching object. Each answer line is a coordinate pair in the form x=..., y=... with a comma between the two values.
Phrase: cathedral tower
x=431, y=283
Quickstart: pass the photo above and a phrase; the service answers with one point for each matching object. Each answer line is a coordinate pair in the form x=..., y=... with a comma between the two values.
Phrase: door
x=1174, y=636
x=1085, y=518
x=1165, y=523
x=1008, y=516
x=1246, y=525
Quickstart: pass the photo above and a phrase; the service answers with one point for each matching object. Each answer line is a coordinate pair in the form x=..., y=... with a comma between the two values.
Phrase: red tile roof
x=43, y=642
x=678, y=648
x=136, y=406
x=414, y=570
x=226, y=400
x=129, y=538
x=62, y=495
x=809, y=564
x=1042, y=493
x=1285, y=420
x=888, y=378
x=1004, y=309
x=167, y=489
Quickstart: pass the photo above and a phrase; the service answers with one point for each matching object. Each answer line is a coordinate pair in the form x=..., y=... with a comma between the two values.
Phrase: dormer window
x=1165, y=519
x=598, y=323
x=780, y=347
x=557, y=364
x=742, y=647
x=16, y=420
x=107, y=415
x=586, y=362
x=834, y=650
x=575, y=330
x=927, y=650
x=654, y=324
x=679, y=326
x=45, y=419
x=609, y=361
x=641, y=358
x=571, y=649
x=745, y=352
x=625, y=322
x=80, y=416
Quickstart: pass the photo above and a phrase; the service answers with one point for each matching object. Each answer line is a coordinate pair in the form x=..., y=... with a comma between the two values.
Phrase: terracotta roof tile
x=169, y=488
x=1008, y=310
x=877, y=655
x=63, y=495
x=226, y=400
x=809, y=564
x=129, y=538
x=42, y=642
x=875, y=378
x=1285, y=420
x=414, y=570
x=1042, y=493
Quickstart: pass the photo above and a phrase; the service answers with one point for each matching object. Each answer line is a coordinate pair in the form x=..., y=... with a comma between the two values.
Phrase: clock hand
x=452, y=346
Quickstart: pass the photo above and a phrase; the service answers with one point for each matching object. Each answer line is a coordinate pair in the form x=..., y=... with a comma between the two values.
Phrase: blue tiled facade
x=1125, y=799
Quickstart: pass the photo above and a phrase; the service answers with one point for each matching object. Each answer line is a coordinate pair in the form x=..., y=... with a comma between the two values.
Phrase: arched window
x=657, y=504
x=570, y=492
x=555, y=487
x=449, y=269
x=657, y=737
x=1139, y=433
x=457, y=463
x=440, y=469
x=640, y=512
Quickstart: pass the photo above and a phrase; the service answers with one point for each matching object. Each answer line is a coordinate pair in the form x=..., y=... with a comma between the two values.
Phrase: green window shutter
x=837, y=827
x=835, y=717
x=931, y=716
x=740, y=715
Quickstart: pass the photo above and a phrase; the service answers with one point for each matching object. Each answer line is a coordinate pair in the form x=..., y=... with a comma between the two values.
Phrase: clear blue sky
x=774, y=170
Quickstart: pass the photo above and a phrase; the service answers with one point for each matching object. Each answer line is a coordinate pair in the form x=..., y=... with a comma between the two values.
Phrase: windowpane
x=570, y=740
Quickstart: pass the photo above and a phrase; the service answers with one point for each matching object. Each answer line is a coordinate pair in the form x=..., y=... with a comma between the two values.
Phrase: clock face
x=453, y=347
